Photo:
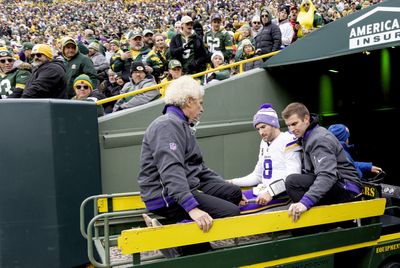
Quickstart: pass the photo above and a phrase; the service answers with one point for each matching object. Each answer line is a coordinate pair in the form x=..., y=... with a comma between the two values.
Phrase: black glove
x=188, y=44
x=211, y=77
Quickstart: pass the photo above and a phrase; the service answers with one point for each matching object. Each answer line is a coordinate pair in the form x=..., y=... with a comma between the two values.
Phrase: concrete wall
x=228, y=141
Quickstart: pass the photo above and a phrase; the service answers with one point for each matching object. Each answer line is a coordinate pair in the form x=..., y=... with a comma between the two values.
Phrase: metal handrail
x=223, y=67
x=92, y=234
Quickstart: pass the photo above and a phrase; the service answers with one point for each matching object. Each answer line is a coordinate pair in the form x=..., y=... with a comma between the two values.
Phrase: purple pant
x=254, y=207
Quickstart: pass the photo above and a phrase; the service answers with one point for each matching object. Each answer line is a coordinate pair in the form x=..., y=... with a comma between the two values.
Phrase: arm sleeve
x=276, y=38
x=44, y=83
x=287, y=34
x=169, y=145
x=89, y=70
x=142, y=98
x=325, y=168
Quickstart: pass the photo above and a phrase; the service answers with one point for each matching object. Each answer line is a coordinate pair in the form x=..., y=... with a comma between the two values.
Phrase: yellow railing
x=228, y=66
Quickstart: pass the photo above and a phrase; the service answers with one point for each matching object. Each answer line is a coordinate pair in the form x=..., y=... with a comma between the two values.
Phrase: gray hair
x=181, y=89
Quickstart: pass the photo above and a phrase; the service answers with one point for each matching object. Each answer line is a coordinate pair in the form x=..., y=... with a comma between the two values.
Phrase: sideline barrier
x=145, y=239
x=228, y=66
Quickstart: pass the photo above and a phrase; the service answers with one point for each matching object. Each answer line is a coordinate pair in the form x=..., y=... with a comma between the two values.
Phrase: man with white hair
x=174, y=181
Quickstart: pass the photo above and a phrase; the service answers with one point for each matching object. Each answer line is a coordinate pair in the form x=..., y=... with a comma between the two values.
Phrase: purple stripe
x=189, y=204
x=158, y=202
x=291, y=143
x=270, y=204
x=176, y=110
x=352, y=187
x=305, y=200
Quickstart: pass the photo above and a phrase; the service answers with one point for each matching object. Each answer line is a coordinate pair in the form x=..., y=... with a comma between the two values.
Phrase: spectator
x=188, y=48
x=25, y=54
x=174, y=72
x=84, y=90
x=269, y=39
x=198, y=28
x=148, y=41
x=110, y=87
x=48, y=79
x=13, y=79
x=137, y=53
x=100, y=64
x=157, y=58
x=218, y=39
x=217, y=60
x=285, y=26
x=342, y=133
x=256, y=26
x=76, y=64
x=244, y=33
x=298, y=32
x=247, y=51
x=308, y=17
x=328, y=176
x=140, y=79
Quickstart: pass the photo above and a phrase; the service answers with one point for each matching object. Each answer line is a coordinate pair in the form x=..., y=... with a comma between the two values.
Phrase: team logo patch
x=172, y=146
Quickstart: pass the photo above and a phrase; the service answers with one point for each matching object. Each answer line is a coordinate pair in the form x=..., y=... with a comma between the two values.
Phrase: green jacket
x=77, y=65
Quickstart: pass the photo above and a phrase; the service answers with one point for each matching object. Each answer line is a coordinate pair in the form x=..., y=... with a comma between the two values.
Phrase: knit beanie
x=115, y=42
x=217, y=53
x=83, y=78
x=43, y=49
x=340, y=131
x=267, y=115
x=94, y=45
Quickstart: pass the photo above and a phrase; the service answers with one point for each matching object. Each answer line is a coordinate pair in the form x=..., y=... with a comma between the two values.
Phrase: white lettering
x=374, y=28
x=374, y=39
x=374, y=34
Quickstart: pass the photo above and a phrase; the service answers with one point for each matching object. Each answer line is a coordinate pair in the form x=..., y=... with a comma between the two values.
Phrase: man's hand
x=295, y=210
x=375, y=169
x=149, y=70
x=244, y=201
x=126, y=55
x=203, y=220
x=188, y=44
x=263, y=198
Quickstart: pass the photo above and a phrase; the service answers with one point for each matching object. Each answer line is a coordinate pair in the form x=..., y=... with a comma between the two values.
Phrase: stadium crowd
x=122, y=46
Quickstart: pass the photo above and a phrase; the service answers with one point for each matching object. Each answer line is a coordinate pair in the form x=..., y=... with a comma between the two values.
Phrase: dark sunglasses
x=264, y=16
x=82, y=87
x=256, y=22
x=6, y=60
x=37, y=55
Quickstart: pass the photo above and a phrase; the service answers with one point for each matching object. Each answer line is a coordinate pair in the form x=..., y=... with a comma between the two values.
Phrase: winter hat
x=4, y=52
x=340, y=131
x=284, y=7
x=217, y=53
x=27, y=46
x=174, y=63
x=95, y=46
x=266, y=115
x=83, y=78
x=43, y=49
x=138, y=66
x=115, y=42
x=256, y=18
